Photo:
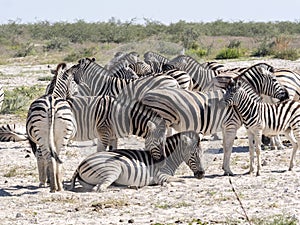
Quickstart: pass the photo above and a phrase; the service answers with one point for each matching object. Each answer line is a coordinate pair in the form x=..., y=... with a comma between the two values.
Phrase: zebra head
x=231, y=96
x=192, y=152
x=62, y=84
x=80, y=68
x=261, y=77
x=155, y=139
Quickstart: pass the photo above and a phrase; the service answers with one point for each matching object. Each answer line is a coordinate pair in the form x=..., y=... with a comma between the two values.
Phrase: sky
x=164, y=11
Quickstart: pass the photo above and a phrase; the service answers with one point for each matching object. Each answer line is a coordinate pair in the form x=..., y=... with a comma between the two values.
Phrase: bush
x=55, y=44
x=197, y=52
x=289, y=54
x=230, y=53
x=85, y=52
x=24, y=50
x=18, y=99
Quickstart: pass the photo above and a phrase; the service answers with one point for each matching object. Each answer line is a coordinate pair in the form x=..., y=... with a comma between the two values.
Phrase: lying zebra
x=137, y=168
x=263, y=118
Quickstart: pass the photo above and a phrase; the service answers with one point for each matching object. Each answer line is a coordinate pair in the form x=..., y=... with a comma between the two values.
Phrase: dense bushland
x=78, y=39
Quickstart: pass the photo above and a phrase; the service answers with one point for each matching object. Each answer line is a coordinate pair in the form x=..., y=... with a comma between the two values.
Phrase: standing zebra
x=206, y=112
x=263, y=118
x=137, y=168
x=50, y=124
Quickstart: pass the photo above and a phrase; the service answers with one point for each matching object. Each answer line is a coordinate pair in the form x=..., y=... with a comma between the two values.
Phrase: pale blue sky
x=165, y=11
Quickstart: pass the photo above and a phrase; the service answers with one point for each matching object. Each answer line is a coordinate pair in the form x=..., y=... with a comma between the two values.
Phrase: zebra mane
x=60, y=85
x=51, y=86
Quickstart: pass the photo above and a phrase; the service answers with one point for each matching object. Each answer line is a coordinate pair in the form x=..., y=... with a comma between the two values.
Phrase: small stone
x=19, y=215
x=131, y=221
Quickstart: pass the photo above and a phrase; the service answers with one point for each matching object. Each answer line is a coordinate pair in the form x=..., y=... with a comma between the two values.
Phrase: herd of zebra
x=154, y=98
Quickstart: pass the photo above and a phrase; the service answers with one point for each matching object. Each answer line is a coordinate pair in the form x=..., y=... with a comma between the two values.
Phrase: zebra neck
x=249, y=110
x=173, y=160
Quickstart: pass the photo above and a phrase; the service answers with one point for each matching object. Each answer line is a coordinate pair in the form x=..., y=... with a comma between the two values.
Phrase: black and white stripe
x=137, y=168
x=205, y=112
x=50, y=125
x=263, y=118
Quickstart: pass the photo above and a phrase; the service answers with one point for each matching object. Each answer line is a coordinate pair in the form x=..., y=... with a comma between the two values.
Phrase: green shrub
x=85, y=52
x=24, y=50
x=55, y=44
x=197, y=52
x=230, y=53
x=17, y=101
x=289, y=54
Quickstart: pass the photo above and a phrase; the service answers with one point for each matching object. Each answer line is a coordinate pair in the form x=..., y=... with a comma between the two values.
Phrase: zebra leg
x=58, y=176
x=276, y=143
x=107, y=180
x=42, y=170
x=51, y=164
x=289, y=135
x=251, y=151
x=258, y=151
x=228, y=139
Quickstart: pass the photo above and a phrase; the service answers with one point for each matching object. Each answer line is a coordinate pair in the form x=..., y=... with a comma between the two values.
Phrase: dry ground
x=275, y=193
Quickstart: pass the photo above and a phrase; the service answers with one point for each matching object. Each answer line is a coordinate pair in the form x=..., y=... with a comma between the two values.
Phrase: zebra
x=205, y=112
x=155, y=57
x=127, y=115
x=129, y=58
x=122, y=70
x=50, y=124
x=93, y=84
x=104, y=118
x=291, y=81
x=156, y=61
x=94, y=81
x=137, y=168
x=141, y=68
x=263, y=118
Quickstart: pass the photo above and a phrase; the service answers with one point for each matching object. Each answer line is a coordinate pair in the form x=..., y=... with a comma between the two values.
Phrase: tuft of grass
x=11, y=173
x=110, y=203
x=277, y=220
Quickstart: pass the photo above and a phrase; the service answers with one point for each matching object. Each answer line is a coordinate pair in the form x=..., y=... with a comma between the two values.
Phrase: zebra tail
x=33, y=146
x=74, y=177
x=52, y=146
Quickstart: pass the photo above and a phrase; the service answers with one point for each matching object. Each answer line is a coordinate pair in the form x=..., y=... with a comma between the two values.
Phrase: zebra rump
x=137, y=168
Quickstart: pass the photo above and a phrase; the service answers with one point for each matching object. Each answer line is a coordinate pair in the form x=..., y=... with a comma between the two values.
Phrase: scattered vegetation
x=17, y=101
x=110, y=203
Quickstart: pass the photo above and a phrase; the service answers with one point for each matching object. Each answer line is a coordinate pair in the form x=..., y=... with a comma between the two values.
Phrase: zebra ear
x=187, y=140
x=151, y=125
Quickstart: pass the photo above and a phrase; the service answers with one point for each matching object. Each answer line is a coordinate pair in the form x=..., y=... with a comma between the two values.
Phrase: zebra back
x=155, y=57
x=290, y=80
x=136, y=89
x=200, y=77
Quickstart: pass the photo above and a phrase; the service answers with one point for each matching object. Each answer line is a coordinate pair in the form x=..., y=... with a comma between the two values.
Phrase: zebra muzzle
x=199, y=174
